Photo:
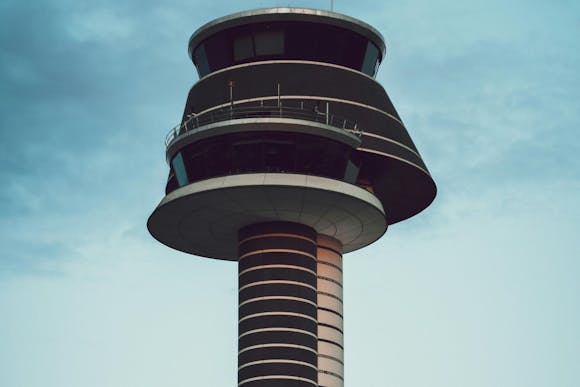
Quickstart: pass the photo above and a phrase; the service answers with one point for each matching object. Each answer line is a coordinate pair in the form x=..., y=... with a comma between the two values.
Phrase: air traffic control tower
x=289, y=154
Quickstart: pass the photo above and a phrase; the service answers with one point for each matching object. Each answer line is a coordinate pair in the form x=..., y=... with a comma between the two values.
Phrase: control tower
x=289, y=154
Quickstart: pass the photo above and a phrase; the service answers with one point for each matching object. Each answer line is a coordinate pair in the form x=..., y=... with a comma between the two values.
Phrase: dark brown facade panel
x=308, y=79
x=277, y=242
x=269, y=337
x=375, y=121
x=391, y=148
x=405, y=189
x=277, y=257
x=277, y=289
x=265, y=274
x=258, y=229
x=278, y=382
x=281, y=368
x=278, y=321
x=290, y=353
x=293, y=306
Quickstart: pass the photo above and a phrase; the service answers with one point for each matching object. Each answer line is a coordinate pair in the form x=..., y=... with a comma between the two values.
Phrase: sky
x=480, y=290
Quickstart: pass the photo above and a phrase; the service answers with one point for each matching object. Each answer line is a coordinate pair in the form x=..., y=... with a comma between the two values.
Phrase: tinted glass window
x=219, y=53
x=371, y=58
x=269, y=43
x=264, y=152
x=179, y=168
x=200, y=60
x=280, y=153
x=286, y=40
x=243, y=48
x=247, y=155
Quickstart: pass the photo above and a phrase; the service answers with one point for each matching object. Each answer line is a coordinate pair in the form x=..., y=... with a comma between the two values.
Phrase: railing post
x=278, y=94
x=279, y=101
x=327, y=113
x=231, y=85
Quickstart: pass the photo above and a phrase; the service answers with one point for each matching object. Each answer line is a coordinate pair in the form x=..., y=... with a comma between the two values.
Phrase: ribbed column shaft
x=277, y=306
x=330, y=323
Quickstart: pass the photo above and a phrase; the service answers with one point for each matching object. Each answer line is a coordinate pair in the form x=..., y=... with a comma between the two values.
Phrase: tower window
x=243, y=48
x=370, y=61
x=179, y=168
x=200, y=59
x=269, y=43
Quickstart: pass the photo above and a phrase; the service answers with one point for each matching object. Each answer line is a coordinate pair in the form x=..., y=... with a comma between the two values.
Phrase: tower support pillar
x=330, y=312
x=278, y=314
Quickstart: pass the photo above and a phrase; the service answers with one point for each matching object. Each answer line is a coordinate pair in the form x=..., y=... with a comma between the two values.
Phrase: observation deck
x=290, y=92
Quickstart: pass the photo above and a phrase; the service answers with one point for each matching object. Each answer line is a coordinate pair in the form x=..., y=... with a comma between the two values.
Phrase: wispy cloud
x=488, y=90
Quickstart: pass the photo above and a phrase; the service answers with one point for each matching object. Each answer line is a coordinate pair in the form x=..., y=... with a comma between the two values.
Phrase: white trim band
x=279, y=234
x=277, y=266
x=261, y=330
x=277, y=314
x=278, y=345
x=277, y=282
x=286, y=361
x=254, y=252
x=270, y=377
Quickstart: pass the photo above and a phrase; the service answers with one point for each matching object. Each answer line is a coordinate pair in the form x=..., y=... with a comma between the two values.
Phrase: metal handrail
x=259, y=110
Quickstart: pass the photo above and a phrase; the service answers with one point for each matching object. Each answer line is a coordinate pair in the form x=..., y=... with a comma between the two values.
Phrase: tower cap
x=286, y=14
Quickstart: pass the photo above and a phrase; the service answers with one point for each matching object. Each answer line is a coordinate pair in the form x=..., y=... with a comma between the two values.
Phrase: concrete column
x=278, y=323
x=330, y=323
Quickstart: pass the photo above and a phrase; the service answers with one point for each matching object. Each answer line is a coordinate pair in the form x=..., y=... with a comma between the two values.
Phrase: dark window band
x=277, y=306
x=265, y=353
x=281, y=368
x=277, y=257
x=264, y=290
x=277, y=274
x=287, y=337
x=286, y=40
x=278, y=321
x=277, y=242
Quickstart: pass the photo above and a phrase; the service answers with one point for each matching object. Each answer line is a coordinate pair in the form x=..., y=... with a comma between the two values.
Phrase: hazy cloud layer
x=479, y=290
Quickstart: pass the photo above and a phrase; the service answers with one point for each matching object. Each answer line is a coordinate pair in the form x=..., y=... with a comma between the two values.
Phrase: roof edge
x=286, y=13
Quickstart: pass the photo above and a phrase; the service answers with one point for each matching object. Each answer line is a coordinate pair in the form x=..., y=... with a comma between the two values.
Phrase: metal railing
x=261, y=109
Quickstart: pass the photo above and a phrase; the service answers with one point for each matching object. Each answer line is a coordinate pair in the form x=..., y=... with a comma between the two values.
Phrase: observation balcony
x=270, y=107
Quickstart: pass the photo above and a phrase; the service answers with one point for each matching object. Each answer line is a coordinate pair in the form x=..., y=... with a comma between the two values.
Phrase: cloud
x=101, y=26
x=489, y=93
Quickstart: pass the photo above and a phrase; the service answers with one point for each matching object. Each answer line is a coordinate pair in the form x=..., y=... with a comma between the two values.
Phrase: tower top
x=312, y=34
x=288, y=124
x=287, y=14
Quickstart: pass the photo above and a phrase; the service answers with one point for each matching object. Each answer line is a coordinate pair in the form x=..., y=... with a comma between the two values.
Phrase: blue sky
x=481, y=289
